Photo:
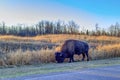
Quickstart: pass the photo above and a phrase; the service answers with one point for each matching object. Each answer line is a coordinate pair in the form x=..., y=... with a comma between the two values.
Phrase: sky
x=86, y=13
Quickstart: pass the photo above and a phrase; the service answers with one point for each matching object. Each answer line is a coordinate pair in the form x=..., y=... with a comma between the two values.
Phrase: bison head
x=59, y=56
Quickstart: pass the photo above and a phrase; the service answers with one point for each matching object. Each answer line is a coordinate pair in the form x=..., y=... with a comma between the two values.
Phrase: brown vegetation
x=100, y=47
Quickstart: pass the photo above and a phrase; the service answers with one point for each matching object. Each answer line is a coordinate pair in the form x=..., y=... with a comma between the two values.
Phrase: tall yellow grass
x=46, y=56
x=28, y=57
x=61, y=37
x=101, y=51
x=106, y=51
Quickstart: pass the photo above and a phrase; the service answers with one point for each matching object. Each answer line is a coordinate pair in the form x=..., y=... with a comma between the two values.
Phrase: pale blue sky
x=84, y=12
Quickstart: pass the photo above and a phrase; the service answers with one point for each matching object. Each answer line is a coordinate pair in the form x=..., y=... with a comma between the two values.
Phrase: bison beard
x=71, y=47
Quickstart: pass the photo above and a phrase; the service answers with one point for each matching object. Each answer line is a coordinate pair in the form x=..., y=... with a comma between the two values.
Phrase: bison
x=71, y=47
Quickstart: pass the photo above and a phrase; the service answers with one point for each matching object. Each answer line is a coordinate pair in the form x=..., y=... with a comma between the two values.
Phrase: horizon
x=84, y=13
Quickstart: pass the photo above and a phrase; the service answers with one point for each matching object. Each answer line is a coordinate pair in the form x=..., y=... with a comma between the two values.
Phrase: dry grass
x=105, y=47
x=46, y=56
x=28, y=57
x=61, y=37
x=106, y=51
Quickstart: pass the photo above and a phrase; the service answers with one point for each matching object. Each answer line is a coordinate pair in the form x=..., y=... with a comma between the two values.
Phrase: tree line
x=41, y=28
x=59, y=27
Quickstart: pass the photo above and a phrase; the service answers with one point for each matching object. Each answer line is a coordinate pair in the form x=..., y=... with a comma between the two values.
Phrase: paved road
x=103, y=73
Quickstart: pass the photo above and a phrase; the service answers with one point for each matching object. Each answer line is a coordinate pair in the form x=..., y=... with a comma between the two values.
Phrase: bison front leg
x=71, y=59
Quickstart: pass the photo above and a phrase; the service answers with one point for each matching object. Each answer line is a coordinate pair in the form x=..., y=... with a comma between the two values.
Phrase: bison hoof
x=82, y=59
x=87, y=59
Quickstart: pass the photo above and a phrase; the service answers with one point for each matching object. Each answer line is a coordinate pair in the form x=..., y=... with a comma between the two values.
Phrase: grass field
x=18, y=51
x=25, y=70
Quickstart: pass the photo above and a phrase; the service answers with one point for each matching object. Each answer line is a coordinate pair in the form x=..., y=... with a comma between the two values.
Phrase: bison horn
x=61, y=54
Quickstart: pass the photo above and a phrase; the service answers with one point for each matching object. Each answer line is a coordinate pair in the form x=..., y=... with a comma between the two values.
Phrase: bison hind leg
x=83, y=56
x=87, y=56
